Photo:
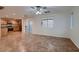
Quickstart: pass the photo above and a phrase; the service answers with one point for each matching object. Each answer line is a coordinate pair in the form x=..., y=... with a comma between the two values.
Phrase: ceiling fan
x=40, y=9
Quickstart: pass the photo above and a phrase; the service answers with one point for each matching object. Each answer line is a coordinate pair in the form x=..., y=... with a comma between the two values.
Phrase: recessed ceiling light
x=14, y=14
x=6, y=16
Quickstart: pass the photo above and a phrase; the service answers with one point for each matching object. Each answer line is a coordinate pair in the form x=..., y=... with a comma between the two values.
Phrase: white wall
x=60, y=29
x=74, y=34
x=61, y=26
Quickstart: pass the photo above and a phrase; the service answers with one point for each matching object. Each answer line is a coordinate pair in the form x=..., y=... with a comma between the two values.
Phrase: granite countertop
x=6, y=26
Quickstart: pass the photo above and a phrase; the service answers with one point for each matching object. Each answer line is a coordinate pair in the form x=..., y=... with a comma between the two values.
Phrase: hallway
x=18, y=41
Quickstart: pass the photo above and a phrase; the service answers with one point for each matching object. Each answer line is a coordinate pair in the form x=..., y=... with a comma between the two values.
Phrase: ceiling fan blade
x=33, y=7
x=44, y=7
x=46, y=11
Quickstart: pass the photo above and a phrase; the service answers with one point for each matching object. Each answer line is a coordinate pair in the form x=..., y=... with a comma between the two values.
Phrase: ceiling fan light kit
x=40, y=9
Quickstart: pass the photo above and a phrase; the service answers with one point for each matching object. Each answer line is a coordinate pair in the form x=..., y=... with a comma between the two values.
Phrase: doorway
x=28, y=27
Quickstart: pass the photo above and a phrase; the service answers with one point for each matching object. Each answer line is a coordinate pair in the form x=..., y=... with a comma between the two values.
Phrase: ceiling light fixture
x=38, y=12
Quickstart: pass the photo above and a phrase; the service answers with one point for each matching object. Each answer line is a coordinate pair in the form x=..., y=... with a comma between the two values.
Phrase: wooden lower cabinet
x=3, y=32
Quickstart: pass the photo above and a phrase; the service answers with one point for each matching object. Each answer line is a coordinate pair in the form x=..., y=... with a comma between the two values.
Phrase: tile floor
x=24, y=42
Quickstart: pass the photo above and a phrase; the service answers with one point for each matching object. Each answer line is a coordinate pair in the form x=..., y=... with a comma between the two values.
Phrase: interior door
x=28, y=27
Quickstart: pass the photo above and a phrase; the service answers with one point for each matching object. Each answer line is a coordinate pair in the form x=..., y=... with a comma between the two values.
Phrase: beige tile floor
x=24, y=42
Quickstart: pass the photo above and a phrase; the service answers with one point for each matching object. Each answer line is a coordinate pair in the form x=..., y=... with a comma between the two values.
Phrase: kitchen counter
x=3, y=31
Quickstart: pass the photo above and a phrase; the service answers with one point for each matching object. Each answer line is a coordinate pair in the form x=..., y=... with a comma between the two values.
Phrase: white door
x=28, y=27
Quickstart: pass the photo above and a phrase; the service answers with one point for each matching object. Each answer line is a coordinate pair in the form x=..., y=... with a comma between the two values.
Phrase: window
x=47, y=23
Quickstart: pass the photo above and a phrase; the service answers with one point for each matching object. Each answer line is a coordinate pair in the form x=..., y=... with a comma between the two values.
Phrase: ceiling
x=20, y=11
